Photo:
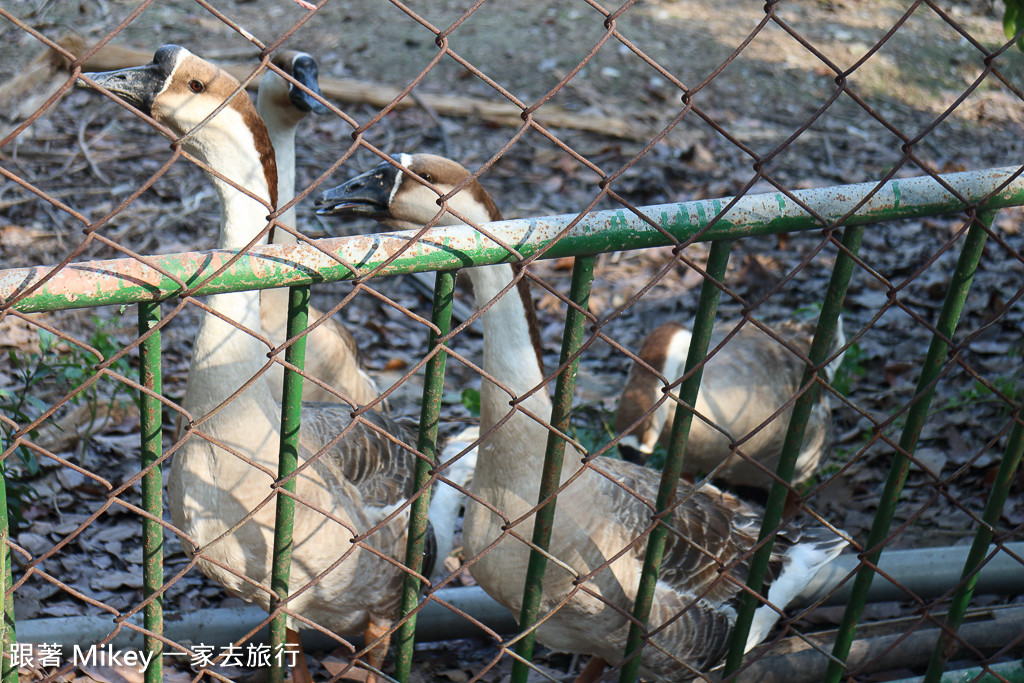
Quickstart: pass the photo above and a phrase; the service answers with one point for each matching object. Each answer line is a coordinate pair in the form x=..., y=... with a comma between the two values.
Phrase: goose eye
x=196, y=86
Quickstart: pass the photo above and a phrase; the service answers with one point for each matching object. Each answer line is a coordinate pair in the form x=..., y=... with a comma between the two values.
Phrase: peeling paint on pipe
x=126, y=281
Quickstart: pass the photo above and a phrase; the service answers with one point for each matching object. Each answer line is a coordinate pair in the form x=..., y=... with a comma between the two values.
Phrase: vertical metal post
x=828, y=319
x=8, y=672
x=426, y=443
x=959, y=286
x=151, y=424
x=704, y=322
x=561, y=410
x=947, y=645
x=291, y=408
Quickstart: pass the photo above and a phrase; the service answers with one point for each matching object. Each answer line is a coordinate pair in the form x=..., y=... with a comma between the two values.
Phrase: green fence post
x=151, y=431
x=704, y=322
x=291, y=408
x=959, y=286
x=426, y=443
x=828, y=320
x=947, y=645
x=8, y=672
x=561, y=410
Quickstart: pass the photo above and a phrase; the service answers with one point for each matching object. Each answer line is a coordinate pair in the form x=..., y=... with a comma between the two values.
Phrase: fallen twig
x=359, y=92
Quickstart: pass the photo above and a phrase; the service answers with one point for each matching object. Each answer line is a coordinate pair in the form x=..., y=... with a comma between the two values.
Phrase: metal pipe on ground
x=794, y=660
x=223, y=625
x=924, y=572
x=929, y=573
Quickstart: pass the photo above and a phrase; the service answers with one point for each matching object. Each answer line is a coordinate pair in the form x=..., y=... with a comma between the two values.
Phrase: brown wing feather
x=709, y=530
x=381, y=470
x=698, y=587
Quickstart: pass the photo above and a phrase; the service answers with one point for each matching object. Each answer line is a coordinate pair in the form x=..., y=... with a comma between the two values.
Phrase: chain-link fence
x=773, y=250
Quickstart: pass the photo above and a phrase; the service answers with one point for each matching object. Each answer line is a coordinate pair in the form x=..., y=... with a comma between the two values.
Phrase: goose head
x=395, y=198
x=400, y=201
x=666, y=343
x=285, y=98
x=181, y=91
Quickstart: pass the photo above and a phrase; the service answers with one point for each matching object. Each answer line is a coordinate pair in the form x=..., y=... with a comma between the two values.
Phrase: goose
x=222, y=474
x=331, y=352
x=599, y=525
x=743, y=384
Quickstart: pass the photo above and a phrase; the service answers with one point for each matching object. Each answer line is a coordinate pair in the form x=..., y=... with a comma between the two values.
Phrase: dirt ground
x=90, y=154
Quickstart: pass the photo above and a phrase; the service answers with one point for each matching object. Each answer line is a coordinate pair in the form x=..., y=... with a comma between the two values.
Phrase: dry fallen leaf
x=17, y=333
x=335, y=665
x=114, y=580
x=113, y=674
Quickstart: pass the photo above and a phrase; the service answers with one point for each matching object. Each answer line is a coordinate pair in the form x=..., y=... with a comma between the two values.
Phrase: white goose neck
x=241, y=216
x=227, y=145
x=282, y=126
x=509, y=354
x=284, y=149
x=224, y=356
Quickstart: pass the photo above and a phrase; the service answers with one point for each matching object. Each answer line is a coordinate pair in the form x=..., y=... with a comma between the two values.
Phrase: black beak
x=368, y=194
x=631, y=454
x=138, y=85
x=305, y=71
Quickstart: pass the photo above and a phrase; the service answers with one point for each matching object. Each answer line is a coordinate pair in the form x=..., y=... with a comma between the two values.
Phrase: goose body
x=331, y=352
x=596, y=517
x=744, y=383
x=222, y=474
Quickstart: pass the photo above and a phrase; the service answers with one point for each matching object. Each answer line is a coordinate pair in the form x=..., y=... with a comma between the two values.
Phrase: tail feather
x=838, y=342
x=800, y=563
x=446, y=500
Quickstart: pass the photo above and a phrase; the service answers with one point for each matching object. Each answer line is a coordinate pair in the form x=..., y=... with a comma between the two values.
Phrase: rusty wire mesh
x=610, y=108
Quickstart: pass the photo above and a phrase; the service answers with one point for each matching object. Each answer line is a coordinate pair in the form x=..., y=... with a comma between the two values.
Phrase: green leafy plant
x=56, y=369
x=851, y=370
x=81, y=365
x=22, y=405
x=978, y=393
x=1013, y=21
x=590, y=425
x=471, y=399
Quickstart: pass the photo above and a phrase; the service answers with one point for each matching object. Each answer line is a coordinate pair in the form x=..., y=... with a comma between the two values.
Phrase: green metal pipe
x=561, y=411
x=828, y=320
x=151, y=431
x=703, y=324
x=426, y=443
x=291, y=409
x=947, y=644
x=1004, y=672
x=956, y=294
x=128, y=280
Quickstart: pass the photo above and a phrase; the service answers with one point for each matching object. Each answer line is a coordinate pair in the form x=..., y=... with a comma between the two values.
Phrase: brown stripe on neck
x=265, y=148
x=523, y=287
x=478, y=193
